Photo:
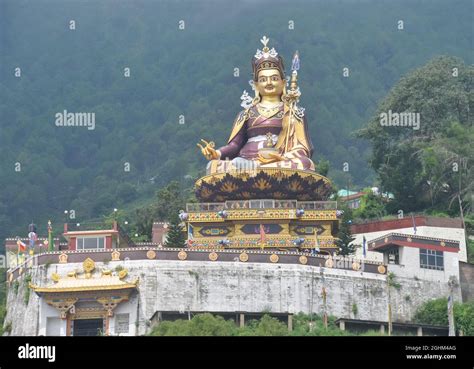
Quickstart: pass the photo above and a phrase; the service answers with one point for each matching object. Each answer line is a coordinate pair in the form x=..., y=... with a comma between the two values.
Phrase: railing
x=317, y=205
x=262, y=204
x=205, y=206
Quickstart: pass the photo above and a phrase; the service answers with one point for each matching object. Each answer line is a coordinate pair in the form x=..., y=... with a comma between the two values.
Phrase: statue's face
x=269, y=83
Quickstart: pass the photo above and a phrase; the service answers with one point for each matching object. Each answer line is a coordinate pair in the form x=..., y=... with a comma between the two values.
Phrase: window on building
x=394, y=256
x=122, y=322
x=88, y=243
x=431, y=259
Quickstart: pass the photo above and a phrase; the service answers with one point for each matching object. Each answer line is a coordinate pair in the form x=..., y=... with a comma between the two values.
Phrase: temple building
x=424, y=247
x=425, y=226
x=87, y=303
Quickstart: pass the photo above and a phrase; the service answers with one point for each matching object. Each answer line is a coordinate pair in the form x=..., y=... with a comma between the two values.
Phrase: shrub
x=436, y=312
x=199, y=325
x=266, y=326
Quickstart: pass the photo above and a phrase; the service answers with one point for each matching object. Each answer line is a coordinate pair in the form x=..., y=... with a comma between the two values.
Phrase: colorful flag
x=190, y=235
x=262, y=236
x=32, y=236
x=21, y=246
x=364, y=244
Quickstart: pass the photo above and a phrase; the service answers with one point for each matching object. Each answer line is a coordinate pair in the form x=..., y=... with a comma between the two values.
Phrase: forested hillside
x=188, y=72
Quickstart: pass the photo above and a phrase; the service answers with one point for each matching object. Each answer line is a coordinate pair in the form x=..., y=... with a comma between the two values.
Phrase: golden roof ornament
x=55, y=277
x=88, y=266
x=123, y=273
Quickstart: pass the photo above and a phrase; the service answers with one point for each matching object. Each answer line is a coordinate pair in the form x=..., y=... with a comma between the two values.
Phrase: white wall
x=456, y=234
x=126, y=307
x=204, y=286
x=410, y=266
x=46, y=311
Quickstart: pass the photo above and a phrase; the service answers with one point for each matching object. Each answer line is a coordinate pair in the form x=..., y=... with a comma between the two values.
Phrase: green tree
x=143, y=221
x=307, y=325
x=266, y=326
x=436, y=312
x=344, y=235
x=200, y=325
x=426, y=168
x=371, y=206
x=176, y=236
x=470, y=251
x=169, y=200
x=323, y=167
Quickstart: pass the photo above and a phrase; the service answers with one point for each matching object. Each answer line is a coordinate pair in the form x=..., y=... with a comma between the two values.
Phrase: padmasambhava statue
x=271, y=132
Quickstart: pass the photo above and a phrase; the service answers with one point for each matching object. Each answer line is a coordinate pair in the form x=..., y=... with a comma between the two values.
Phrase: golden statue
x=261, y=190
x=271, y=131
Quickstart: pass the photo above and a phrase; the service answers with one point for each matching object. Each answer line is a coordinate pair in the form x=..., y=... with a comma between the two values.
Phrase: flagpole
x=414, y=223
x=316, y=240
x=452, y=329
x=389, y=308
x=325, y=314
x=461, y=211
x=50, y=237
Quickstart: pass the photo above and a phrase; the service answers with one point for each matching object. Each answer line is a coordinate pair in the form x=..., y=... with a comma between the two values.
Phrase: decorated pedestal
x=273, y=183
x=235, y=217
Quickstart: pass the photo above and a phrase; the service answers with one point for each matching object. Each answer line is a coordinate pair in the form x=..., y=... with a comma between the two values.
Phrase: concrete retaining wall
x=239, y=287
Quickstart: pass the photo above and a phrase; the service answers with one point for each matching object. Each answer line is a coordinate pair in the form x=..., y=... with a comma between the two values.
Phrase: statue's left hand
x=273, y=157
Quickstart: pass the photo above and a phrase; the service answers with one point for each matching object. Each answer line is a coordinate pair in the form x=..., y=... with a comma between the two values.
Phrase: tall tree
x=345, y=239
x=176, y=236
x=372, y=206
x=426, y=165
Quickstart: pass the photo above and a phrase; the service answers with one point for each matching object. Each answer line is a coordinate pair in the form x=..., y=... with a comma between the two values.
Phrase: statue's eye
x=275, y=78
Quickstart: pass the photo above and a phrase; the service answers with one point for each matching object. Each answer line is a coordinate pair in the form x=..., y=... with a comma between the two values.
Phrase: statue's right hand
x=208, y=150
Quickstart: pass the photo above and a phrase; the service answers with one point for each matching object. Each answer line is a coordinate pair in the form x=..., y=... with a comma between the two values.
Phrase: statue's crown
x=267, y=59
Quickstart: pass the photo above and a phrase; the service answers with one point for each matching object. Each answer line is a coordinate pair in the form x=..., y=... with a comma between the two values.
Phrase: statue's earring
x=256, y=99
x=287, y=81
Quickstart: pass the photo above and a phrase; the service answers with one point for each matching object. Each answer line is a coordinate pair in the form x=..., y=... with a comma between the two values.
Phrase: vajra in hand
x=208, y=150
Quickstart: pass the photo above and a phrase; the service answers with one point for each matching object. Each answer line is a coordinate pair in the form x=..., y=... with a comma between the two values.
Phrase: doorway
x=88, y=327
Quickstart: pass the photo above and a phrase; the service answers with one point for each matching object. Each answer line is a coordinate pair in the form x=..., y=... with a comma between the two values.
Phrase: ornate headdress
x=267, y=59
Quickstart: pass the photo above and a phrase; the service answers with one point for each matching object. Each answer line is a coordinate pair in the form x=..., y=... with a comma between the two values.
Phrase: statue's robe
x=249, y=134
